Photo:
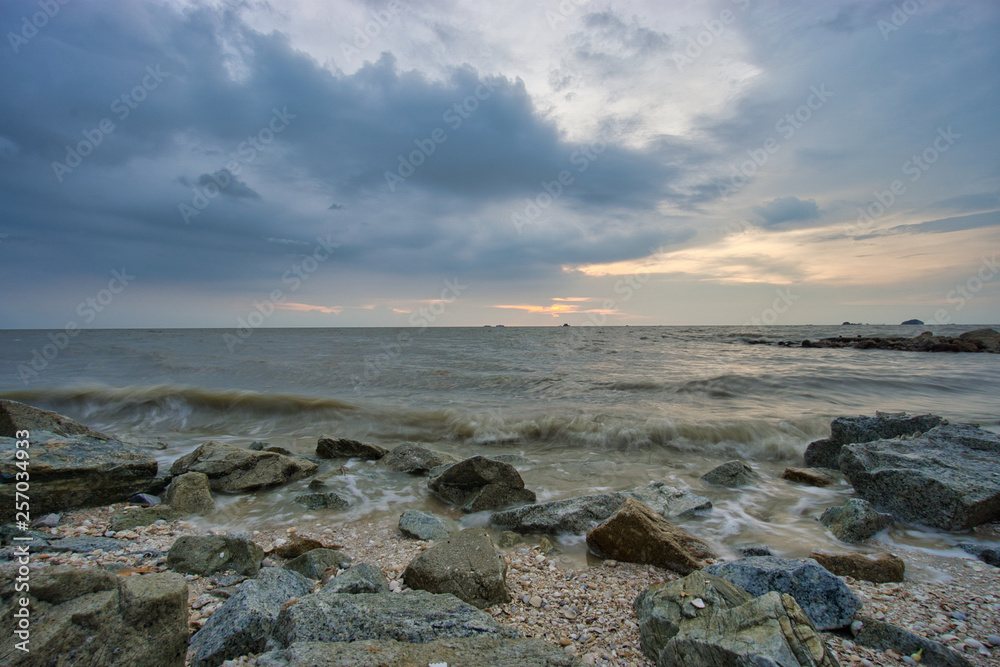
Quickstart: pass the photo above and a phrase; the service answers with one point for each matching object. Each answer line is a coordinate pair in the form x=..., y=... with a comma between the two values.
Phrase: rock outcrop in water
x=233, y=469
x=480, y=483
x=843, y=430
x=855, y=521
x=980, y=340
x=328, y=447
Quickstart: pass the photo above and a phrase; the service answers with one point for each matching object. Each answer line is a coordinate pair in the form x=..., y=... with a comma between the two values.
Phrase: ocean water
x=589, y=408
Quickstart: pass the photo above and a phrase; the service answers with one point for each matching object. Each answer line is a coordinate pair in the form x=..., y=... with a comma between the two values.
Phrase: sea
x=588, y=409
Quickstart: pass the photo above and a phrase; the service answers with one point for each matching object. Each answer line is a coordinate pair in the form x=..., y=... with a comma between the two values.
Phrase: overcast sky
x=339, y=163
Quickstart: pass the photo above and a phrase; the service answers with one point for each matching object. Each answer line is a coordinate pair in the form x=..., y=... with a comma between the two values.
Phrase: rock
x=727, y=627
x=314, y=563
x=732, y=474
x=145, y=499
x=466, y=651
x=856, y=521
x=295, y=547
x=987, y=339
x=243, y=623
x=233, y=469
x=332, y=448
x=279, y=450
x=881, y=569
x=637, y=534
x=15, y=416
x=948, y=478
x=423, y=526
x=829, y=603
x=884, y=636
x=479, y=483
x=844, y=430
x=466, y=565
x=509, y=538
x=417, y=616
x=258, y=446
x=810, y=476
x=414, y=459
x=910, y=323
x=328, y=500
x=88, y=616
x=670, y=502
x=987, y=554
x=361, y=578
x=750, y=550
x=206, y=554
x=191, y=493
x=572, y=515
x=86, y=544
x=47, y=520
x=143, y=516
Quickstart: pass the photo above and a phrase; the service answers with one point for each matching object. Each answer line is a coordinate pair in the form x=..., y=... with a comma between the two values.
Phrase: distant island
x=907, y=322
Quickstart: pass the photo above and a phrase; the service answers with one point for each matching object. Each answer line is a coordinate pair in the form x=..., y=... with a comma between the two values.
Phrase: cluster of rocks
x=980, y=340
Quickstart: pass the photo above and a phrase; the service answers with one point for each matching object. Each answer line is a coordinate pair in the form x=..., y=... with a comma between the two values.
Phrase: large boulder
x=883, y=636
x=880, y=569
x=637, y=534
x=572, y=515
x=829, y=603
x=15, y=416
x=233, y=469
x=844, y=430
x=416, y=616
x=855, y=521
x=704, y=621
x=949, y=477
x=480, y=483
x=360, y=578
x=333, y=448
x=88, y=616
x=190, y=493
x=987, y=339
x=732, y=474
x=207, y=554
x=467, y=651
x=424, y=526
x=414, y=459
x=669, y=501
x=244, y=622
x=466, y=565
x=314, y=563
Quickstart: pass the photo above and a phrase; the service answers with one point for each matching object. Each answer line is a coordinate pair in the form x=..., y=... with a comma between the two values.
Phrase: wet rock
x=466, y=565
x=750, y=550
x=191, y=493
x=295, y=547
x=332, y=448
x=880, y=569
x=732, y=474
x=883, y=636
x=856, y=521
x=233, y=469
x=479, y=483
x=328, y=500
x=48, y=520
x=243, y=623
x=844, y=430
x=143, y=516
x=829, y=603
x=423, y=525
x=314, y=563
x=670, y=502
x=258, y=446
x=206, y=554
x=810, y=476
x=417, y=616
x=15, y=416
x=88, y=616
x=986, y=339
x=361, y=578
x=572, y=515
x=465, y=651
x=987, y=554
x=948, y=478
x=637, y=534
x=414, y=459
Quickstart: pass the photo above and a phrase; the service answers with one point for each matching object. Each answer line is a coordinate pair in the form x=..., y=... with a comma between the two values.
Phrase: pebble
x=698, y=603
x=535, y=601
x=994, y=639
x=973, y=643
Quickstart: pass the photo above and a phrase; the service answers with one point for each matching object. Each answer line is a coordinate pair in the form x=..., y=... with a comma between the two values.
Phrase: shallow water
x=592, y=408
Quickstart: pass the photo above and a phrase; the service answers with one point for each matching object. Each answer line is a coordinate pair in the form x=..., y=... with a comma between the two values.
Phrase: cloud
x=787, y=209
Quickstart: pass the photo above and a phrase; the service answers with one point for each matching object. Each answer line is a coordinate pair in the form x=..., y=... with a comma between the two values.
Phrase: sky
x=440, y=163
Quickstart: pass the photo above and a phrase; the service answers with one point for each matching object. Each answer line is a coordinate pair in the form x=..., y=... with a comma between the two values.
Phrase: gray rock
x=509, y=538
x=829, y=603
x=313, y=564
x=86, y=544
x=987, y=554
x=884, y=636
x=423, y=526
x=258, y=446
x=855, y=521
x=949, y=477
x=479, y=483
x=843, y=430
x=361, y=578
x=143, y=516
x=329, y=447
x=233, y=469
x=323, y=500
x=732, y=474
x=416, y=616
x=988, y=339
x=243, y=623
x=414, y=459
x=572, y=515
x=48, y=520
x=671, y=502
x=147, y=499
x=191, y=493
x=38, y=541
x=15, y=416
x=751, y=550
x=467, y=651
x=88, y=616
x=466, y=565
x=206, y=554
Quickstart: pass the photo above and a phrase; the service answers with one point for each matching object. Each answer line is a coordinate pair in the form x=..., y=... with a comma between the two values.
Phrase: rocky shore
x=120, y=569
x=980, y=340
